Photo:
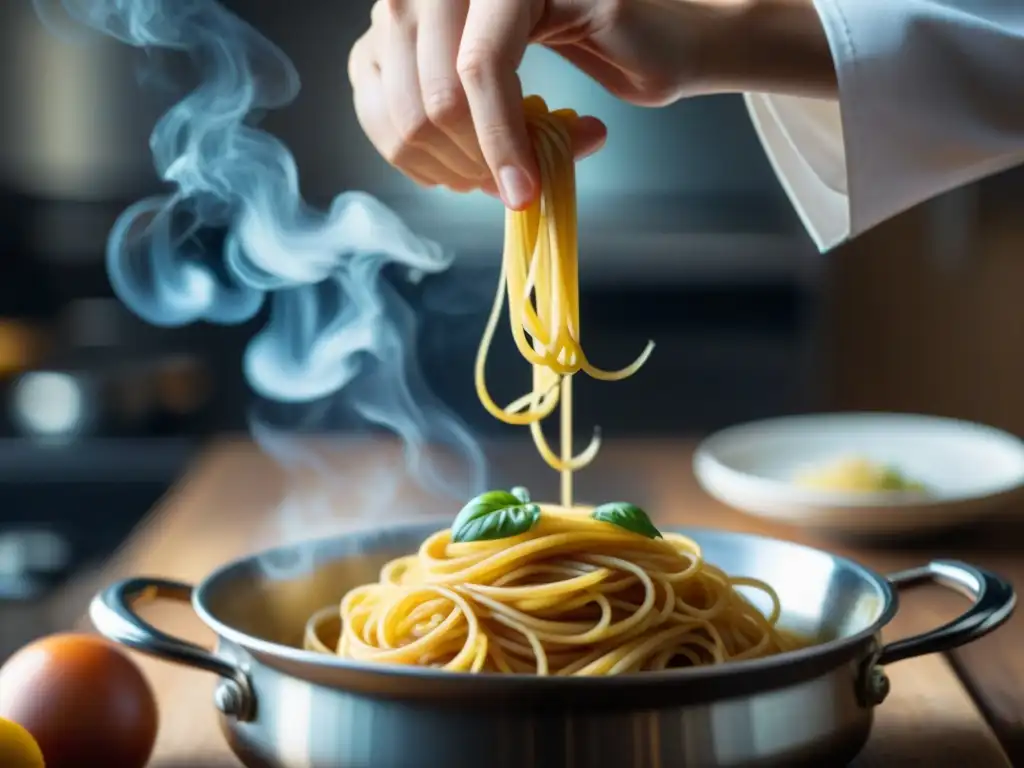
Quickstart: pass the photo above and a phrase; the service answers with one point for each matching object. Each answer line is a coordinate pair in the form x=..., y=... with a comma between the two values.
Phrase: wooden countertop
x=235, y=500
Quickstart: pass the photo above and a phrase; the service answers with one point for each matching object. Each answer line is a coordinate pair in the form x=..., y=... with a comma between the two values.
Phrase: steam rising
x=335, y=325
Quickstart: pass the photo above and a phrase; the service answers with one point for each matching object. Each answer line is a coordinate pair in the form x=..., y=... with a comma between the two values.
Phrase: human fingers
x=440, y=26
x=588, y=135
x=397, y=39
x=493, y=42
x=375, y=119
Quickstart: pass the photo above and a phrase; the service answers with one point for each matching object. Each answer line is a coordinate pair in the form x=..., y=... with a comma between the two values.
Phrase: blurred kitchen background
x=686, y=238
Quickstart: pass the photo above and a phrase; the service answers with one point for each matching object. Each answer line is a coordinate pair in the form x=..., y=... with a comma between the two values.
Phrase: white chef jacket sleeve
x=931, y=97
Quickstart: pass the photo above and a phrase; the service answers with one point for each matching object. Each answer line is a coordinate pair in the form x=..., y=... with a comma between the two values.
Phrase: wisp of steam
x=336, y=327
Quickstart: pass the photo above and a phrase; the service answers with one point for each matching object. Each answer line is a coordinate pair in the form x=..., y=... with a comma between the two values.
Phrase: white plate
x=968, y=470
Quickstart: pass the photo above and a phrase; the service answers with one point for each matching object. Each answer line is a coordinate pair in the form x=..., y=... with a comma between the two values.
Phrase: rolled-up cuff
x=925, y=106
x=805, y=148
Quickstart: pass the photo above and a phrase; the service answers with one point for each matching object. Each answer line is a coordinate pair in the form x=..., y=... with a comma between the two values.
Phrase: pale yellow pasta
x=540, y=277
x=572, y=595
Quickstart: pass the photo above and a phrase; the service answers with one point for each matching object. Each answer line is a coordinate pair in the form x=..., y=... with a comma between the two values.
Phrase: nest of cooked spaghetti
x=518, y=588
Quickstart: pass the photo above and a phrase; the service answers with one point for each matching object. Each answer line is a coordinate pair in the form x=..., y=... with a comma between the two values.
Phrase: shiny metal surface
x=305, y=725
x=993, y=600
x=287, y=708
x=113, y=616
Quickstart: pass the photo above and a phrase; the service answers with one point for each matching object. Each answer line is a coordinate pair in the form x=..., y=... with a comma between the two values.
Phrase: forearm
x=771, y=46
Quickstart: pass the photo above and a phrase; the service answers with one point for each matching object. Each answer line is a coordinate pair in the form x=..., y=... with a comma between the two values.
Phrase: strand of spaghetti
x=565, y=430
x=572, y=595
x=540, y=277
x=509, y=416
x=548, y=271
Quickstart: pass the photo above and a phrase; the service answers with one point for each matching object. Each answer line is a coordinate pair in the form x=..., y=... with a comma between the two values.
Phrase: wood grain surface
x=235, y=501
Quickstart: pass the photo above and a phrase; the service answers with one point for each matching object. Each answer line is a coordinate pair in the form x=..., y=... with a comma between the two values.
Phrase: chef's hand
x=436, y=88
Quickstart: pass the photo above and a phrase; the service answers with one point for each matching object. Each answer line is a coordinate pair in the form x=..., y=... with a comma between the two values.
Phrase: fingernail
x=516, y=189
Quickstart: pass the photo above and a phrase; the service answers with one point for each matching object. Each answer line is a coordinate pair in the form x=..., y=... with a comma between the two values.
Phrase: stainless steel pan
x=282, y=707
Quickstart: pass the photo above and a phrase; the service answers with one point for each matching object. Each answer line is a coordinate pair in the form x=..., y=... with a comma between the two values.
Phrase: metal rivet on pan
x=876, y=687
x=231, y=700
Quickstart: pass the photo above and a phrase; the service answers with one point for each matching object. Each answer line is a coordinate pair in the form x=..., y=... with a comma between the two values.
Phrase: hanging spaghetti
x=540, y=276
x=518, y=587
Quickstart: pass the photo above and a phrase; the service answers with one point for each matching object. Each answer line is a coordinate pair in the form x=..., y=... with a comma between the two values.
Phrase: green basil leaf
x=521, y=493
x=494, y=515
x=628, y=516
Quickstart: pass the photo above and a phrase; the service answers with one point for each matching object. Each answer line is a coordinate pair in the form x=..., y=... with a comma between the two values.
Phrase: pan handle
x=113, y=614
x=992, y=597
